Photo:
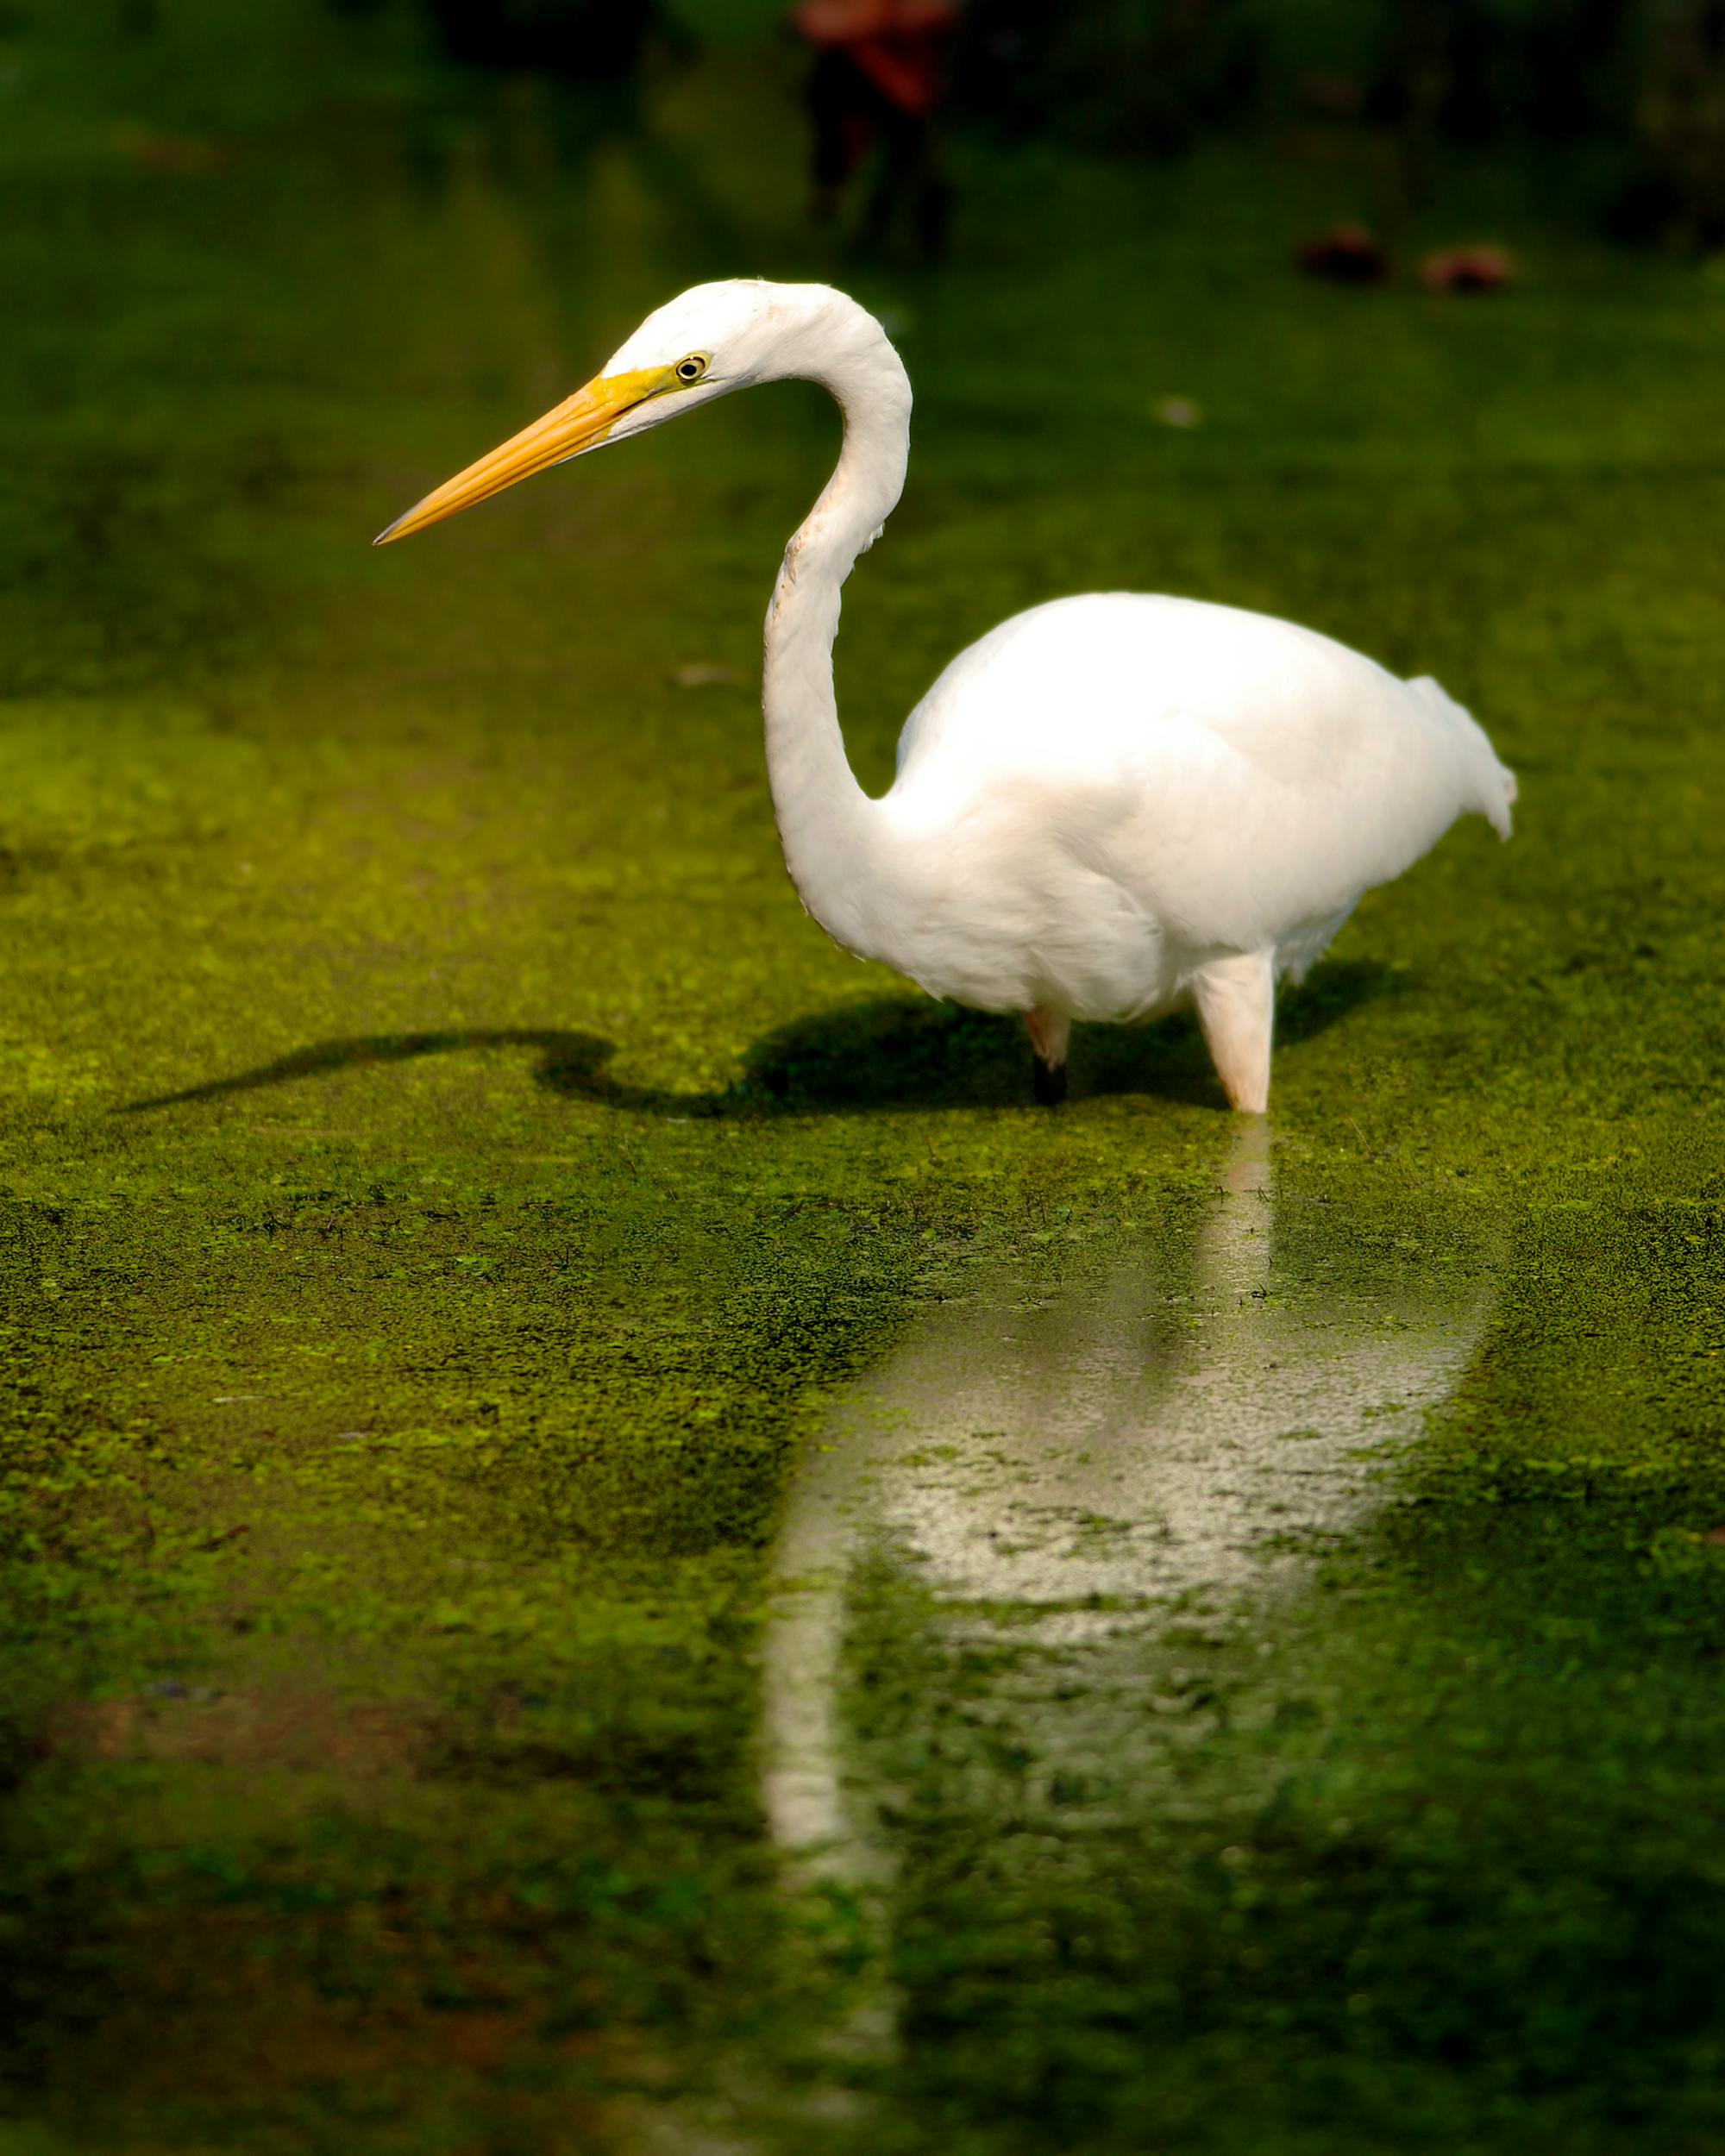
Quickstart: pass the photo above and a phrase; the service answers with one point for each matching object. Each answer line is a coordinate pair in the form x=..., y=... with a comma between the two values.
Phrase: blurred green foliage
x=1643, y=80
x=590, y=41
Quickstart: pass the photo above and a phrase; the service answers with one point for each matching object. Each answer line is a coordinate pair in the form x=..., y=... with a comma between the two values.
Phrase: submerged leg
x=1048, y=1034
x=1236, y=999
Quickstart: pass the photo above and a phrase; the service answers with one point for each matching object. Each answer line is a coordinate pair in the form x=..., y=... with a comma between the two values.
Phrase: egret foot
x=1236, y=999
x=1048, y=1034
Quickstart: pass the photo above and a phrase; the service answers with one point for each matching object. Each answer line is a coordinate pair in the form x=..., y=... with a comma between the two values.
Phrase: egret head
x=705, y=343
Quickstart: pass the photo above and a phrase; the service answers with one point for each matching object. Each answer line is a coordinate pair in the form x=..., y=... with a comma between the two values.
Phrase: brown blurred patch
x=292, y=1732
x=1347, y=254
x=170, y=152
x=1338, y=96
x=1467, y=269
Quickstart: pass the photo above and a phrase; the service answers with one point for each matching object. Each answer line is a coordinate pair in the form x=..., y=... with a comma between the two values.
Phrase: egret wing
x=1237, y=775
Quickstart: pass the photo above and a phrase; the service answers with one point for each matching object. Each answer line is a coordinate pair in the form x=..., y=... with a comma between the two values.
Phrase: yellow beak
x=580, y=421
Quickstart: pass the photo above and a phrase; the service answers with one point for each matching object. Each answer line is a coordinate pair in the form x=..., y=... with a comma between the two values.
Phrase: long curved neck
x=832, y=833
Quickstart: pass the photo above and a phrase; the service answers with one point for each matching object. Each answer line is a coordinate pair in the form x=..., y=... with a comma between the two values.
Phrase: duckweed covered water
x=450, y=1187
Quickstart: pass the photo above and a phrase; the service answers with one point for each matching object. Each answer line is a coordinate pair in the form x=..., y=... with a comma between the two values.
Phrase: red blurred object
x=900, y=44
x=1347, y=255
x=1467, y=269
x=879, y=76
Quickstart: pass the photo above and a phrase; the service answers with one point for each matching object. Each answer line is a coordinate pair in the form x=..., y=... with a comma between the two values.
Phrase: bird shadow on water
x=891, y=1052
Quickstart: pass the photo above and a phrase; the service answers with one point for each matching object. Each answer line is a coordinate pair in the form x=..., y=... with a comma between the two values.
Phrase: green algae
x=1427, y=1859
x=446, y=1177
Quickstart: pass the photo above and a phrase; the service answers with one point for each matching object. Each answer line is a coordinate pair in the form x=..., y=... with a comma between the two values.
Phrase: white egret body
x=1107, y=808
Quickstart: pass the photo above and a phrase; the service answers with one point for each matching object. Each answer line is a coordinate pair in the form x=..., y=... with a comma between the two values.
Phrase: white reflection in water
x=1072, y=1448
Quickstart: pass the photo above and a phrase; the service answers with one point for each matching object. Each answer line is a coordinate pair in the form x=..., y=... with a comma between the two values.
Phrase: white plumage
x=1106, y=808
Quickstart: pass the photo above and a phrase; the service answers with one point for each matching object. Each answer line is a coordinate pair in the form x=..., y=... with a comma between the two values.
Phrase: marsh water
x=605, y=1532
x=1079, y=1451
x=1071, y=1471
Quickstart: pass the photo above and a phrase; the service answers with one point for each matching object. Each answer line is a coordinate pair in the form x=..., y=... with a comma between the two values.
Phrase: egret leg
x=1236, y=999
x=1048, y=1034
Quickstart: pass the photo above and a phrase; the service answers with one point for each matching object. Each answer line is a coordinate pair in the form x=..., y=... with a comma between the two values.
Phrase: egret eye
x=692, y=369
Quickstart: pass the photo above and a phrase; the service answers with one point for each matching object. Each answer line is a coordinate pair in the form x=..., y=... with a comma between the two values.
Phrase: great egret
x=1108, y=807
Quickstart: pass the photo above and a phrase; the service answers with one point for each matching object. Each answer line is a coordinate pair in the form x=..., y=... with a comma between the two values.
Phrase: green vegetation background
x=445, y=1172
